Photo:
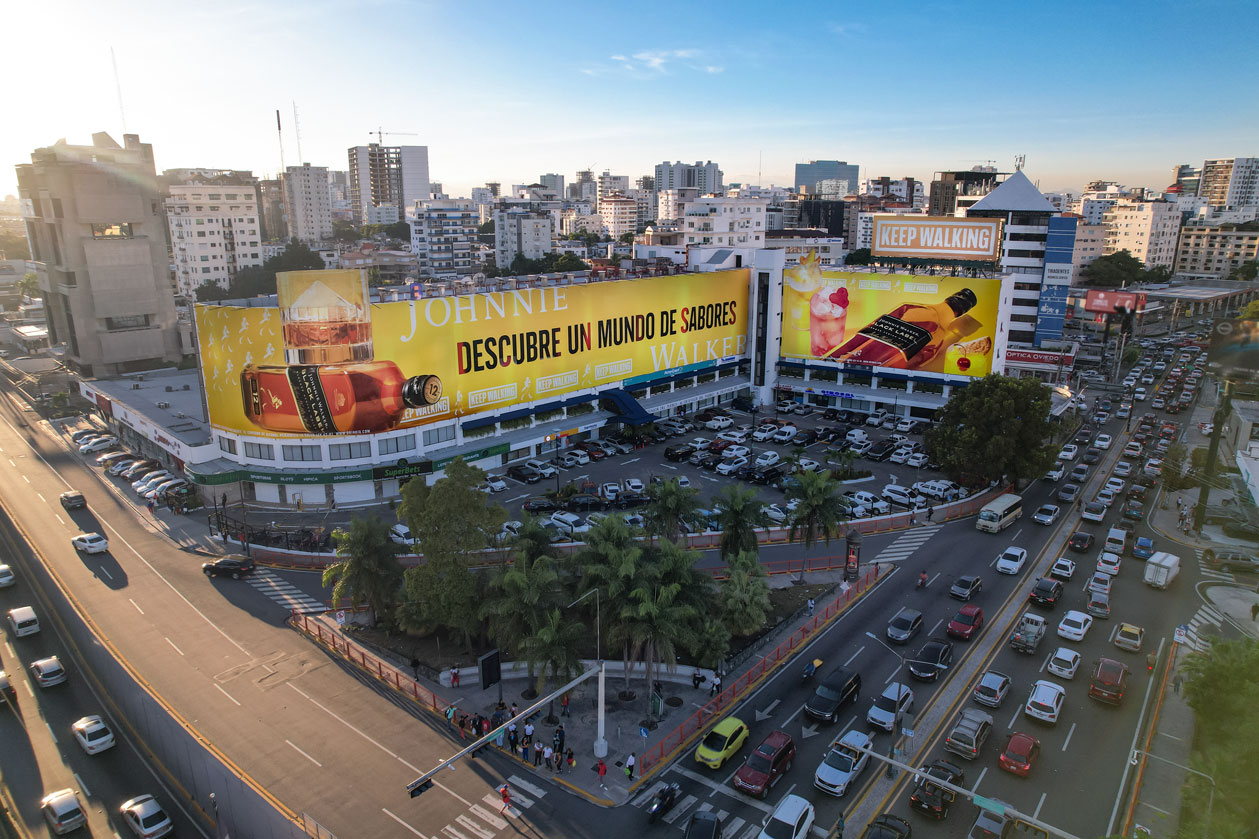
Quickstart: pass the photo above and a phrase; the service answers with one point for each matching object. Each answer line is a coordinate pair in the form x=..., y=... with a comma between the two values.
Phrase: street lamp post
x=1210, y=799
x=601, y=741
x=896, y=724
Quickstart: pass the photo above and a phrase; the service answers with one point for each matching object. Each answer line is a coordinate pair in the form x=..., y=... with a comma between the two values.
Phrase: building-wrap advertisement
x=932, y=324
x=1233, y=352
x=937, y=237
x=327, y=361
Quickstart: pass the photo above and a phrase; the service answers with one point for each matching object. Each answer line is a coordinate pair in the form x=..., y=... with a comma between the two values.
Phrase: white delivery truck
x=1161, y=569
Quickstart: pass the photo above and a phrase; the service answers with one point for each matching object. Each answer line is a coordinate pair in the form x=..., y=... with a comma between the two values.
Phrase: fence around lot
x=682, y=736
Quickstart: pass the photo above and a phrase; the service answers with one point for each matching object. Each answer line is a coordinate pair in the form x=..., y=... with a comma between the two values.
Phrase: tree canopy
x=995, y=427
x=1113, y=271
x=1251, y=310
x=861, y=256
x=367, y=572
x=253, y=281
x=550, y=263
x=1246, y=272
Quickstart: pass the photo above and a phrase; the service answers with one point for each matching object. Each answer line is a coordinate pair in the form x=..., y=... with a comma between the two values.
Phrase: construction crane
x=380, y=134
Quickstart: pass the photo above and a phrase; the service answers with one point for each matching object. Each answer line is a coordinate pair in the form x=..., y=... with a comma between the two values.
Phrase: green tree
x=1246, y=272
x=367, y=571
x=739, y=514
x=669, y=507
x=614, y=563
x=710, y=643
x=399, y=230
x=1250, y=311
x=344, y=231
x=520, y=593
x=743, y=597
x=819, y=513
x=1130, y=356
x=488, y=227
x=29, y=284
x=626, y=238
x=1174, y=468
x=996, y=427
x=212, y=292
x=861, y=256
x=441, y=591
x=1113, y=271
x=1157, y=274
x=554, y=645
x=660, y=611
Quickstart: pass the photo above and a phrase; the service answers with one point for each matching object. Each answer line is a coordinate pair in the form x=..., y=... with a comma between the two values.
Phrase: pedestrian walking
x=559, y=762
x=629, y=766
x=912, y=519
x=537, y=753
x=506, y=799
x=463, y=726
x=811, y=605
x=450, y=717
x=715, y=686
x=1176, y=683
x=602, y=769
x=547, y=754
x=514, y=711
x=1179, y=504
x=931, y=511
x=454, y=677
x=697, y=678
x=570, y=758
x=1254, y=611
x=564, y=705
x=415, y=667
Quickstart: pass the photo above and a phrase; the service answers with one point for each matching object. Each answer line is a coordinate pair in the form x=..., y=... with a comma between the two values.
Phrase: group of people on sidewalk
x=525, y=743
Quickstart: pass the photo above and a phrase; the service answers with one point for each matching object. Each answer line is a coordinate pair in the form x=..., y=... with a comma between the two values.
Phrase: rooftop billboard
x=937, y=237
x=933, y=324
x=327, y=361
x=1108, y=302
x=1233, y=351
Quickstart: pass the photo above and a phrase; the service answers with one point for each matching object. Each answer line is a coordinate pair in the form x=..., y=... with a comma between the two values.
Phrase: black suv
x=229, y=566
x=888, y=826
x=676, y=453
x=524, y=473
x=840, y=687
x=882, y=450
x=1046, y=592
x=930, y=798
x=934, y=656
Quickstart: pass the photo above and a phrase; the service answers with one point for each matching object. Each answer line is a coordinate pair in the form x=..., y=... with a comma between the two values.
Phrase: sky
x=506, y=91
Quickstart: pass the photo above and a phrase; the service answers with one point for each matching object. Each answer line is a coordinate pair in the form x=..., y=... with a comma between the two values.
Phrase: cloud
x=713, y=69
x=649, y=63
x=837, y=28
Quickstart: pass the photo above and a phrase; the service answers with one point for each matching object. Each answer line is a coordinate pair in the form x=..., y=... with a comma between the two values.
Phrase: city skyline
x=745, y=90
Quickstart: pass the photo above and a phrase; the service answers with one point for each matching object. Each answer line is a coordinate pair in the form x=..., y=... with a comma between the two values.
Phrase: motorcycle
x=662, y=802
x=922, y=580
x=810, y=669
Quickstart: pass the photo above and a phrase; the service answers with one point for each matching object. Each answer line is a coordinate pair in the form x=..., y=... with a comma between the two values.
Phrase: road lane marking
x=1039, y=804
x=934, y=628
x=1067, y=742
x=225, y=693
x=474, y=827
x=517, y=498
x=979, y=779
x=51, y=733
x=404, y=824
x=1044, y=663
x=303, y=754
x=107, y=574
x=137, y=605
x=172, y=643
x=488, y=817
x=892, y=675
x=59, y=518
x=41, y=497
x=632, y=460
x=1014, y=719
x=82, y=786
x=28, y=480
x=671, y=817
x=859, y=651
x=520, y=783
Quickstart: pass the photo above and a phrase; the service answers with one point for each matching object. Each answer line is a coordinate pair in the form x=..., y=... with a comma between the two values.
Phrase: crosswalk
x=275, y=588
x=1207, y=621
x=904, y=545
x=680, y=814
x=1213, y=573
x=485, y=818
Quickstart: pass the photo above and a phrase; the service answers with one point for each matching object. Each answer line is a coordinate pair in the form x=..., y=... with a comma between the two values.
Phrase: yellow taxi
x=726, y=738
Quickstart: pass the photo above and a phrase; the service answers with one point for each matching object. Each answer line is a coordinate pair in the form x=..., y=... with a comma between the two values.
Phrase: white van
x=902, y=496
x=400, y=534
x=1161, y=569
x=23, y=622
x=569, y=522
x=1116, y=541
x=1000, y=513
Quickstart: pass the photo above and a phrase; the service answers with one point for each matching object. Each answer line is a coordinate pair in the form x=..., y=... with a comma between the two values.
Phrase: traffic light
x=421, y=788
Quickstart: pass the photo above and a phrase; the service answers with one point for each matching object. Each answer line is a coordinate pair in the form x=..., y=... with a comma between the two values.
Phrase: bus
x=1000, y=513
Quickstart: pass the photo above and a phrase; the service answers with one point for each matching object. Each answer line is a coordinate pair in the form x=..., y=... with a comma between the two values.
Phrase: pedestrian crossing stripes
x=275, y=588
x=1212, y=573
x=680, y=814
x=1206, y=622
x=907, y=543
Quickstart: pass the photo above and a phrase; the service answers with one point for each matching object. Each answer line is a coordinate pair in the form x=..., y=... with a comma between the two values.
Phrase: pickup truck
x=1027, y=635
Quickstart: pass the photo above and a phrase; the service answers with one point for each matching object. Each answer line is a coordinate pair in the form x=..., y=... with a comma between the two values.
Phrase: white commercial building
x=620, y=215
x=1090, y=243
x=443, y=232
x=1230, y=182
x=726, y=221
x=307, y=204
x=671, y=203
x=573, y=222
x=214, y=231
x=521, y=231
x=609, y=184
x=1146, y=229
x=706, y=177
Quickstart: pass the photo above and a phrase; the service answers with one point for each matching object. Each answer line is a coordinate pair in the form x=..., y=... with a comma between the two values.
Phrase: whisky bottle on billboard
x=331, y=382
x=910, y=335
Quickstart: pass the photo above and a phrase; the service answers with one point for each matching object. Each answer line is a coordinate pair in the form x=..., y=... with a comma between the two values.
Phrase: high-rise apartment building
x=706, y=177
x=553, y=182
x=1090, y=243
x=670, y=203
x=584, y=188
x=94, y=219
x=1146, y=229
x=1230, y=182
x=443, y=232
x=725, y=221
x=609, y=184
x=521, y=231
x=272, y=213
x=1214, y=251
x=1186, y=178
x=809, y=174
x=384, y=177
x=620, y=215
x=946, y=187
x=907, y=189
x=307, y=203
x=215, y=228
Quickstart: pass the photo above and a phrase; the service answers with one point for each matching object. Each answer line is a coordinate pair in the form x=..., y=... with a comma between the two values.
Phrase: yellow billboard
x=937, y=237
x=932, y=324
x=326, y=360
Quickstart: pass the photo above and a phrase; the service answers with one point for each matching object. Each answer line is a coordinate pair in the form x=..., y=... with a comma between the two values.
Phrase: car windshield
x=840, y=760
x=899, y=622
x=827, y=693
x=987, y=515
x=778, y=829
x=715, y=741
x=986, y=690
x=965, y=619
x=759, y=763
x=885, y=703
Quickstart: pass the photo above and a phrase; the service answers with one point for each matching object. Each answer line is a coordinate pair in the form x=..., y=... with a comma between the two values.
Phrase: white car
x=1069, y=453
x=148, y=476
x=1075, y=625
x=1133, y=449
x=807, y=464
x=90, y=543
x=1099, y=582
x=767, y=459
x=543, y=467
x=93, y=735
x=1063, y=569
x=844, y=761
x=900, y=455
x=791, y=819
x=1106, y=496
x=719, y=423
x=731, y=465
x=164, y=487
x=610, y=490
x=1115, y=485
x=1153, y=467
x=48, y=672
x=765, y=432
x=1055, y=474
x=734, y=435
x=916, y=460
x=98, y=445
x=1047, y=514
x=1093, y=511
x=736, y=451
x=1064, y=662
x=62, y=811
x=1103, y=441
x=145, y=817
x=6, y=576
x=1108, y=563
x=883, y=710
x=775, y=514
x=1011, y=560
x=1123, y=469
x=1139, y=394
x=575, y=458
x=784, y=434
x=1045, y=701
x=634, y=485
x=400, y=534
x=495, y=483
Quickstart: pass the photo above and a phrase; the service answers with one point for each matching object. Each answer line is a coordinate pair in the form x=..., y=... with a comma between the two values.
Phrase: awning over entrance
x=624, y=407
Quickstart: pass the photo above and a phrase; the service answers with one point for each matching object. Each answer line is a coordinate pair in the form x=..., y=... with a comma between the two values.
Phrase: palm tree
x=818, y=513
x=740, y=513
x=669, y=508
x=554, y=645
x=368, y=572
x=613, y=562
x=532, y=541
x=744, y=595
x=659, y=613
x=520, y=594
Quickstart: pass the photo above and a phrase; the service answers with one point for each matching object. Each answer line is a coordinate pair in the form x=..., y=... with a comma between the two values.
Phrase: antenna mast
x=279, y=135
x=297, y=129
x=118, y=88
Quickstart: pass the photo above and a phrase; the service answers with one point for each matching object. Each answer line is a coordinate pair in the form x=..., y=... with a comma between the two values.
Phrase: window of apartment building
x=228, y=445
x=260, y=451
x=117, y=230
x=205, y=270
x=301, y=453
x=435, y=436
x=56, y=208
x=205, y=258
x=215, y=196
x=200, y=220
x=349, y=451
x=394, y=445
x=116, y=324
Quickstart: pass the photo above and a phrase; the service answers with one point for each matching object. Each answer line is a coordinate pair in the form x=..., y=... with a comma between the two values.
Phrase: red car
x=1020, y=752
x=966, y=622
x=771, y=760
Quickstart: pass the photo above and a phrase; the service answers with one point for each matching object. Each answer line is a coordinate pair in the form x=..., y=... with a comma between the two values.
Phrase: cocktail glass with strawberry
x=828, y=314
